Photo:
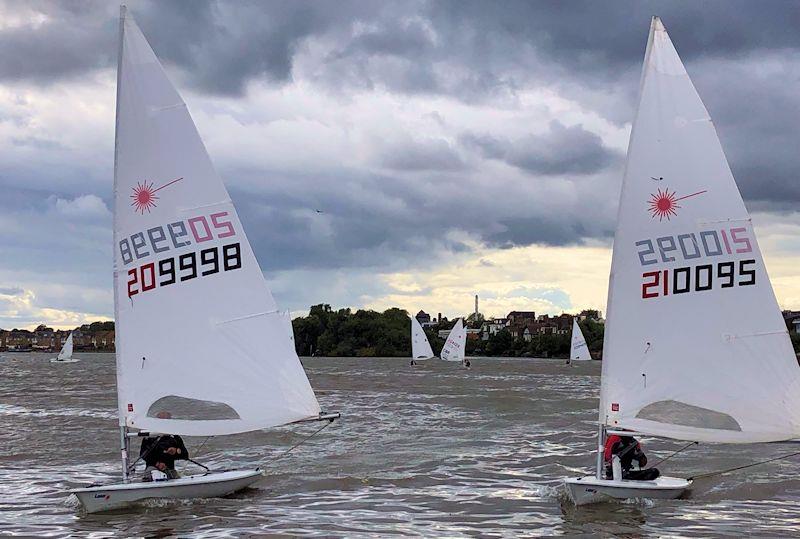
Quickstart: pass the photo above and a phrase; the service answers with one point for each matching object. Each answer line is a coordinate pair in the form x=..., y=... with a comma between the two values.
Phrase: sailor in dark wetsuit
x=628, y=449
x=160, y=453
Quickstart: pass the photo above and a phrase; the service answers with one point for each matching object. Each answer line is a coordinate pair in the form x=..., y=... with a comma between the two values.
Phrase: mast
x=601, y=412
x=123, y=430
x=601, y=443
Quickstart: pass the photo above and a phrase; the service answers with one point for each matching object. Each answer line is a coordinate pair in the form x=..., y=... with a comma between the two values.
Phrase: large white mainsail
x=66, y=350
x=578, y=350
x=199, y=337
x=420, y=347
x=453, y=349
x=695, y=345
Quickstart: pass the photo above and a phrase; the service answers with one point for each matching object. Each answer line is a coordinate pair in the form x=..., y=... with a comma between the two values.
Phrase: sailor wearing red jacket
x=628, y=449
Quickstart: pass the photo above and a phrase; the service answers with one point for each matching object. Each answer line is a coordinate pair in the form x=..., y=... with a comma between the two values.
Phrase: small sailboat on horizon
x=454, y=348
x=65, y=355
x=420, y=346
x=201, y=347
x=695, y=345
x=578, y=350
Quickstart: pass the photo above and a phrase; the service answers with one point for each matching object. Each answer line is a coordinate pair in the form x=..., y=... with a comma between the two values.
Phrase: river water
x=433, y=451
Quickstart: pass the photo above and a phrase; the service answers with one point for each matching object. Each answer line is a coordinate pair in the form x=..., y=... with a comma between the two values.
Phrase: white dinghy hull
x=589, y=489
x=121, y=495
x=70, y=360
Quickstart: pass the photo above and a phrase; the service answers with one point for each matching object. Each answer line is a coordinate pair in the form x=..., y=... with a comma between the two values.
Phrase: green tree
x=593, y=332
x=500, y=343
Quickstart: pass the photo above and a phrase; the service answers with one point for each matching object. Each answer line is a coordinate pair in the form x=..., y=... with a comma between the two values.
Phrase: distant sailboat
x=420, y=347
x=695, y=346
x=578, y=350
x=453, y=349
x=65, y=355
x=202, y=349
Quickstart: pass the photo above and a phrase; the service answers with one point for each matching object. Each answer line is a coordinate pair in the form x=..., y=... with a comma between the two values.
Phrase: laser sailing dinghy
x=578, y=351
x=453, y=349
x=695, y=345
x=420, y=347
x=65, y=355
x=202, y=349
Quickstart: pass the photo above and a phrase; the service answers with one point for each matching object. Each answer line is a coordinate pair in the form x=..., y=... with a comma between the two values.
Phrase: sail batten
x=695, y=345
x=202, y=348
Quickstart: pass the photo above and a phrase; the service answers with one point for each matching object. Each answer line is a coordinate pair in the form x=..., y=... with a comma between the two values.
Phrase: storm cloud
x=562, y=150
x=381, y=135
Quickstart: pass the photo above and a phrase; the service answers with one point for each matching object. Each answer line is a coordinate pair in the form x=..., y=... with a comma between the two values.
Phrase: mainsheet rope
x=304, y=440
x=687, y=446
x=295, y=446
x=735, y=468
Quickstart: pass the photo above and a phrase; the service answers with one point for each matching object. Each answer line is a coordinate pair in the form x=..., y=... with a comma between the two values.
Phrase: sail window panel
x=188, y=409
x=679, y=413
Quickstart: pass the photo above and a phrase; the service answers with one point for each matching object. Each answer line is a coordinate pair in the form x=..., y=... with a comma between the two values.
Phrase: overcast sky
x=454, y=148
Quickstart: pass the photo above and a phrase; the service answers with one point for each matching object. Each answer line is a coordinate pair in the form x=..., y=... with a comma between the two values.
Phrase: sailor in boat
x=159, y=454
x=467, y=364
x=627, y=449
x=413, y=362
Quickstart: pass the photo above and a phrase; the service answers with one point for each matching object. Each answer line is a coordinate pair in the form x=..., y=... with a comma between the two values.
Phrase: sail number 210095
x=700, y=252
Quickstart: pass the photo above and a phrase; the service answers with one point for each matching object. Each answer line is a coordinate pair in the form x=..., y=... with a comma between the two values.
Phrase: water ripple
x=434, y=451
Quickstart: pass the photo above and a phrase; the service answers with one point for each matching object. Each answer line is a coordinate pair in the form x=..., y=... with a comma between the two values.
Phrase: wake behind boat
x=680, y=359
x=187, y=291
x=65, y=355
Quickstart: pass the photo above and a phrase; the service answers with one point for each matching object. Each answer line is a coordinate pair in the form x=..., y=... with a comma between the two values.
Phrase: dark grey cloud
x=477, y=52
x=381, y=225
x=72, y=39
x=37, y=143
x=756, y=108
x=473, y=50
x=561, y=151
x=432, y=154
x=223, y=45
x=529, y=230
x=11, y=290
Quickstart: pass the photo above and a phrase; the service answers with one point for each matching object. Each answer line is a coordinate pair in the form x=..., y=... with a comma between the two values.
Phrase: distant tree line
x=503, y=344
x=366, y=333
x=343, y=333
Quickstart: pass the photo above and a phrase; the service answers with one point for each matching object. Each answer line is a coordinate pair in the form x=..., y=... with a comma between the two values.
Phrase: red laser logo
x=663, y=204
x=144, y=195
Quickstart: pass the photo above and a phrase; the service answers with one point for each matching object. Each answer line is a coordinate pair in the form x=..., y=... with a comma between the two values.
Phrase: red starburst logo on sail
x=663, y=204
x=144, y=195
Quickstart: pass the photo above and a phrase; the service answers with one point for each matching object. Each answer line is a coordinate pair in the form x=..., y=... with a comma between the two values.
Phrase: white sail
x=578, y=350
x=66, y=350
x=201, y=346
x=453, y=349
x=420, y=347
x=695, y=345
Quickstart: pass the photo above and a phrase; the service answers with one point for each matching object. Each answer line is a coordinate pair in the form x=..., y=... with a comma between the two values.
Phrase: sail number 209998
x=698, y=278
x=185, y=267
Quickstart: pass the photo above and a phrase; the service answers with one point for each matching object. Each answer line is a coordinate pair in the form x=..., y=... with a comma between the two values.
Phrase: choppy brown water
x=434, y=451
